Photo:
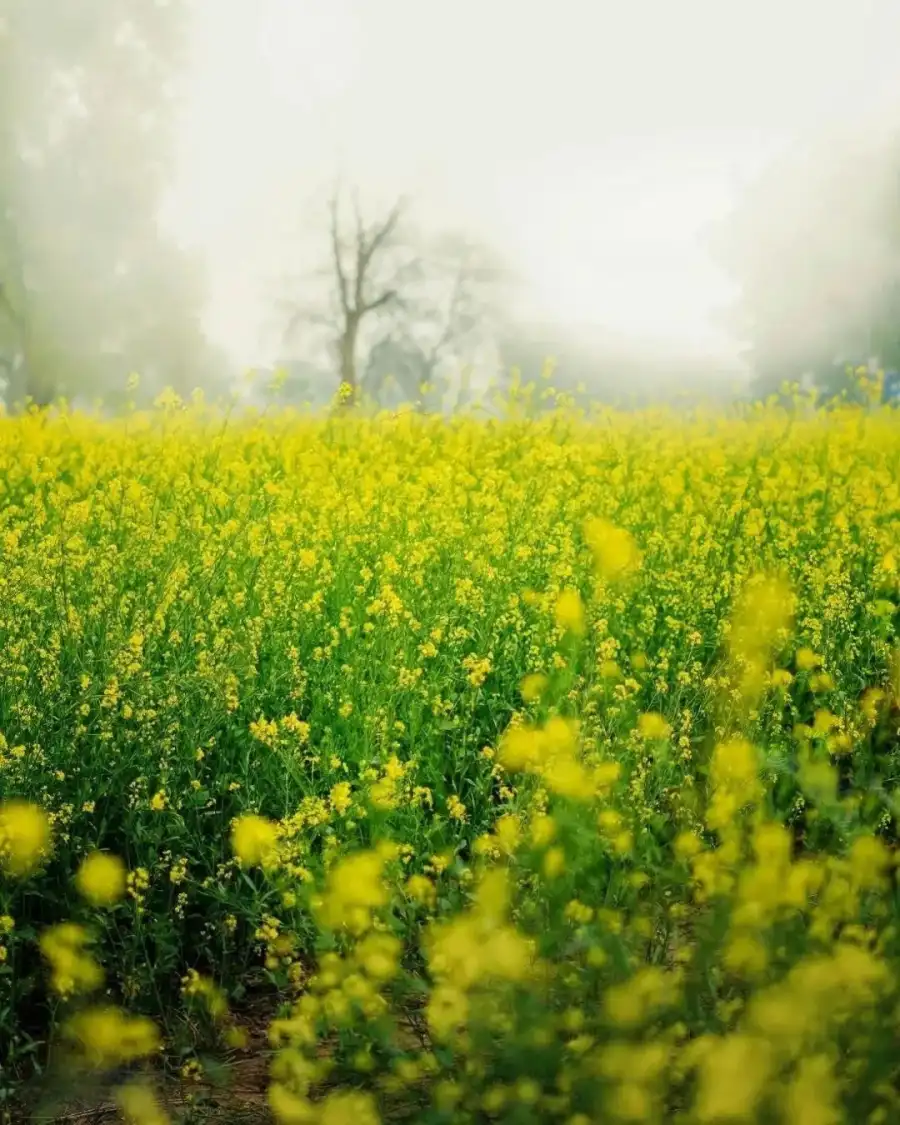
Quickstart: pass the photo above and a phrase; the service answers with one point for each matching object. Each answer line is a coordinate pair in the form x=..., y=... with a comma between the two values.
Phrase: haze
x=666, y=197
x=595, y=141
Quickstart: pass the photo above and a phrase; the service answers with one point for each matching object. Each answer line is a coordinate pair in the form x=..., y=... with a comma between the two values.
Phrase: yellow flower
x=447, y=1010
x=101, y=879
x=74, y=970
x=869, y=862
x=378, y=955
x=554, y=863
x=340, y=797
x=763, y=613
x=520, y=748
x=813, y=1095
x=687, y=845
x=734, y=774
x=421, y=889
x=159, y=801
x=871, y=702
x=253, y=840
x=354, y=889
x=615, y=552
x=818, y=780
x=630, y=1003
x=821, y=682
x=237, y=1038
x=24, y=837
x=567, y=777
x=806, y=660
x=569, y=613
x=652, y=726
x=745, y=955
x=289, y=1108
x=507, y=832
x=139, y=1105
x=578, y=912
x=109, y=1037
x=543, y=829
x=347, y=1107
x=456, y=810
x=533, y=686
x=206, y=989
x=734, y=1072
x=167, y=399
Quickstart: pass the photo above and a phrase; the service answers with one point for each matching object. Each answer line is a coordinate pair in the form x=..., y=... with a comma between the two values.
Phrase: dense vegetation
x=528, y=770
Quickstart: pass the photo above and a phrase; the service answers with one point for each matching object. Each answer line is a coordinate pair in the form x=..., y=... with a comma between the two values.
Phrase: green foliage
x=538, y=769
x=814, y=245
x=91, y=287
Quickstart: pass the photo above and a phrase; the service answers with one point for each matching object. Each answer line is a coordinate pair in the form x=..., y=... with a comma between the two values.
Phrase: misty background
x=697, y=199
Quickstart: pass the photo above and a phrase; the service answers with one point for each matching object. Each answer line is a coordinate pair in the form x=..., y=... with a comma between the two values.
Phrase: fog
x=658, y=188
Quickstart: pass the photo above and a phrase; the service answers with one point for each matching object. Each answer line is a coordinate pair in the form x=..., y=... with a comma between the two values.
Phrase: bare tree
x=398, y=303
x=451, y=318
x=368, y=268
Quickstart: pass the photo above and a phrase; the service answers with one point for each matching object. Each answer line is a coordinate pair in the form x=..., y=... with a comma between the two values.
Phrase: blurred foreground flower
x=569, y=613
x=615, y=552
x=74, y=970
x=24, y=837
x=109, y=1037
x=101, y=879
x=253, y=840
x=138, y=1105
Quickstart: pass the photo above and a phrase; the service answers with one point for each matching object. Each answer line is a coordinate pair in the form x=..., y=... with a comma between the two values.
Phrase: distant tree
x=815, y=247
x=303, y=382
x=90, y=286
x=397, y=303
x=589, y=365
x=368, y=265
x=452, y=322
x=395, y=371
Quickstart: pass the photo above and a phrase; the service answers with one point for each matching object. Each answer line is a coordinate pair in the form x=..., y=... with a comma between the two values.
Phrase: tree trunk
x=40, y=387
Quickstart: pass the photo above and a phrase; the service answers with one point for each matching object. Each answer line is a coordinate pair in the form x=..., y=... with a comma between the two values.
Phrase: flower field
x=524, y=770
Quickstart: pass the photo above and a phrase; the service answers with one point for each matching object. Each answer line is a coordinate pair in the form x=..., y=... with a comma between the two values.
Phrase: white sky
x=593, y=140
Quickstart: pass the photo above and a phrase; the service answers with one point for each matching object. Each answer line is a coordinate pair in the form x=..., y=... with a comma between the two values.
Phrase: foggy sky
x=594, y=141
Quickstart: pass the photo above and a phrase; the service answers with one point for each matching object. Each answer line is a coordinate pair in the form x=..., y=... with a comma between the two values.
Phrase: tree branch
x=308, y=316
x=336, y=255
x=361, y=250
x=383, y=232
x=386, y=298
